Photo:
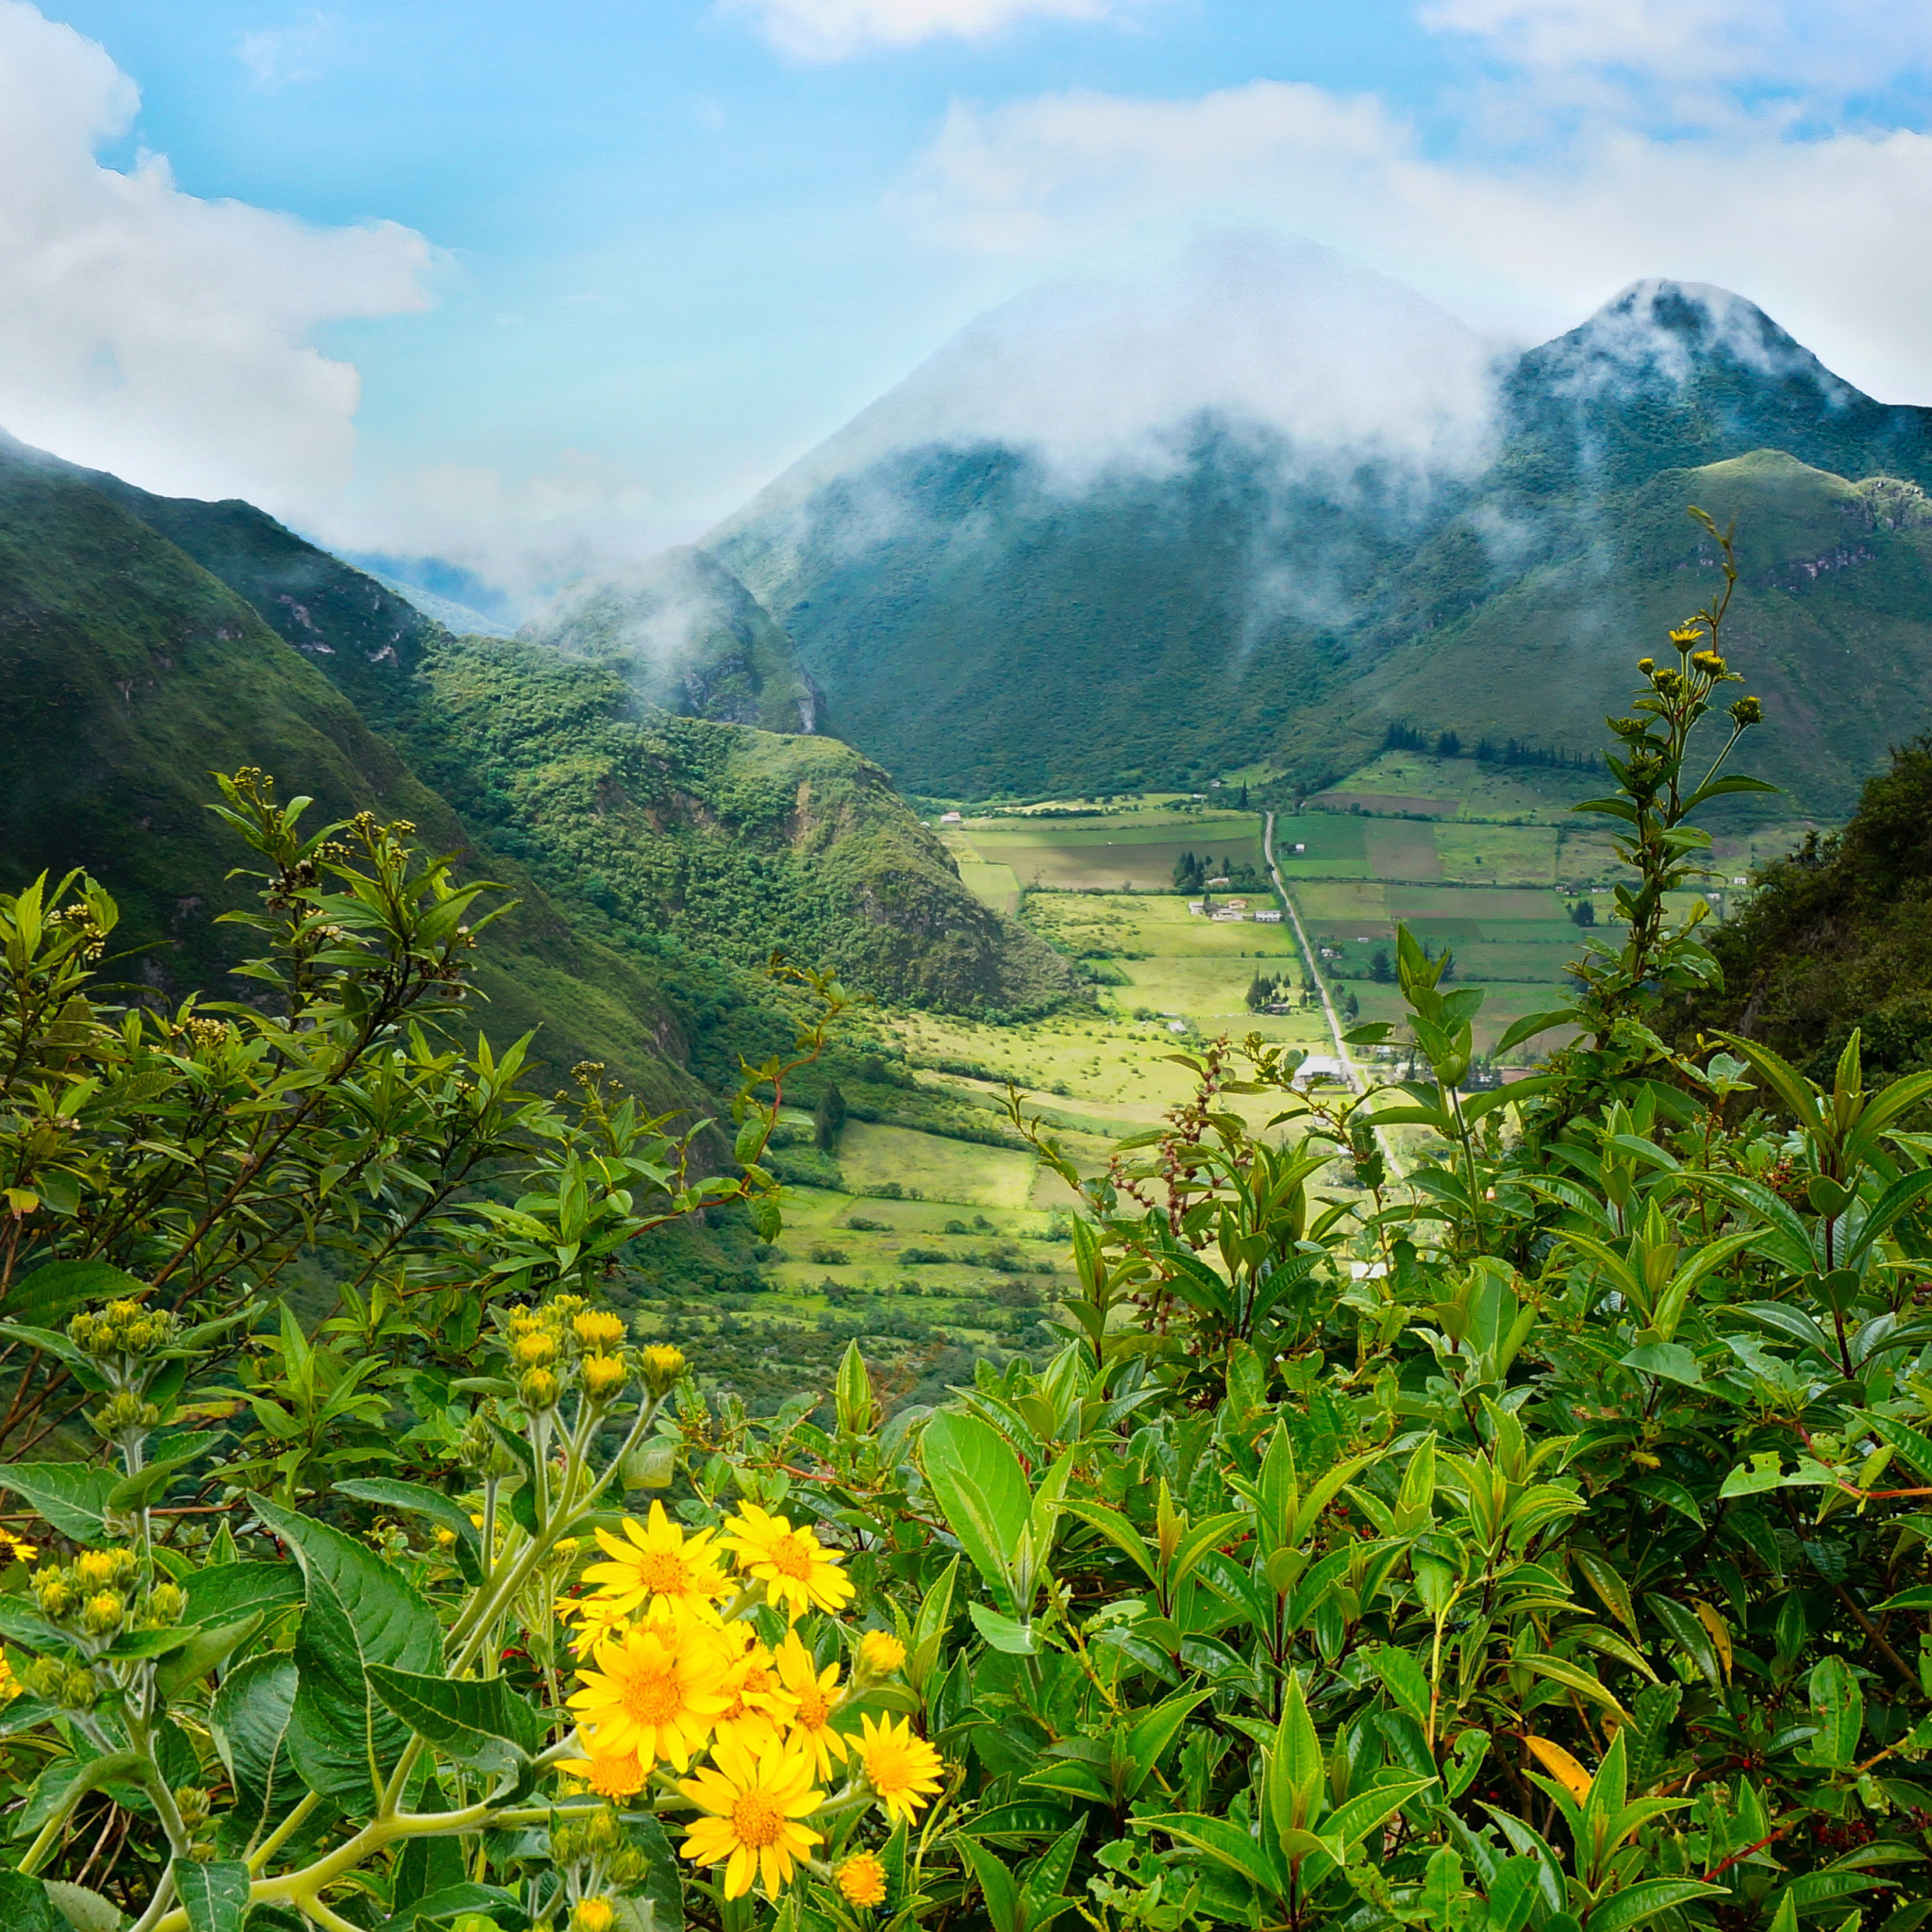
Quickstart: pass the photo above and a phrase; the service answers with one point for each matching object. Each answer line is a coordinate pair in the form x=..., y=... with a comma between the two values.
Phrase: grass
x=1135, y=849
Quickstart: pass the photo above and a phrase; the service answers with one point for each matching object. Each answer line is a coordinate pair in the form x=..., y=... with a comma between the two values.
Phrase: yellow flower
x=593, y=1915
x=657, y=1560
x=11, y=1685
x=881, y=1652
x=797, y=1570
x=616, y=1774
x=598, y=1329
x=652, y=1694
x=902, y=1770
x=663, y=1366
x=753, y=1805
x=596, y=1618
x=20, y=1552
x=759, y=1708
x=861, y=1880
x=604, y=1376
x=814, y=1696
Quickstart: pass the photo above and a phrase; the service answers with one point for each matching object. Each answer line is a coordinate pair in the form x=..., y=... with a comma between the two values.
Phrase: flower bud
x=193, y=1804
x=604, y=1376
x=880, y=1652
x=538, y=1391
x=167, y=1604
x=598, y=1329
x=78, y=1690
x=593, y=1915
x=55, y=1592
x=663, y=1366
x=104, y=1613
x=536, y=1350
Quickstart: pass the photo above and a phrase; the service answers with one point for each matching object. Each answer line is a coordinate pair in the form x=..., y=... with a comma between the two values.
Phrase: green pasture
x=1095, y=854
x=997, y=886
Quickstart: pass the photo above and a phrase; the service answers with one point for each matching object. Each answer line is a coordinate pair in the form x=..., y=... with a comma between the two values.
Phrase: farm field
x=1135, y=850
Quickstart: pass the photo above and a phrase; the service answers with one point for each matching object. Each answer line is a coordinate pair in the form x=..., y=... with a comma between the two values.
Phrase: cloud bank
x=1112, y=369
x=1599, y=142
x=150, y=332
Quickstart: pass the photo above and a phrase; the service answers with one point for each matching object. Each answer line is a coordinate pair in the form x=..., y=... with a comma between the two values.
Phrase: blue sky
x=601, y=268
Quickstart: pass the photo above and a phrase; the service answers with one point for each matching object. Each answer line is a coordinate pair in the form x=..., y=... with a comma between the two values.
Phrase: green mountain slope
x=131, y=673
x=980, y=624
x=745, y=841
x=685, y=635
x=1832, y=624
x=1839, y=936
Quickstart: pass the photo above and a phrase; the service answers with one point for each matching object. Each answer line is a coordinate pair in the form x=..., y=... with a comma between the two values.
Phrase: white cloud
x=1820, y=230
x=150, y=332
x=836, y=29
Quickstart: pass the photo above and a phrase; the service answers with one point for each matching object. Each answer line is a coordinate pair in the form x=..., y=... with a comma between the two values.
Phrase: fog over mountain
x=1132, y=529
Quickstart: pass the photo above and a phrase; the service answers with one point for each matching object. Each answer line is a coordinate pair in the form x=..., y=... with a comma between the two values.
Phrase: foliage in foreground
x=1531, y=1539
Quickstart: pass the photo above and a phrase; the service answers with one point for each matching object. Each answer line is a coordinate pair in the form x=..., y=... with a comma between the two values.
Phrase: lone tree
x=1380, y=971
x=828, y=1118
x=1260, y=990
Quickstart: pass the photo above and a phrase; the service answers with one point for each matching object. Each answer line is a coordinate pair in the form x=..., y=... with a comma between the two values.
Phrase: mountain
x=1321, y=507
x=145, y=641
x=685, y=636
x=131, y=672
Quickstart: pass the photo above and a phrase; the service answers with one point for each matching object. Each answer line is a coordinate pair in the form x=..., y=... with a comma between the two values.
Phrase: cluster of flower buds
x=93, y=935
x=92, y=1598
x=204, y=1036
x=122, y=1339
x=595, y=1856
x=567, y=1344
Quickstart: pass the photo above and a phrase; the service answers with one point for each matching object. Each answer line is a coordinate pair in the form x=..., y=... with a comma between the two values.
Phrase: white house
x=1225, y=913
x=1194, y=907
x=1268, y=918
x=949, y=818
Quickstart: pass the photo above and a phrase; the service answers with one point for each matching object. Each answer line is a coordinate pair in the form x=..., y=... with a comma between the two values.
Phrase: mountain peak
x=1658, y=330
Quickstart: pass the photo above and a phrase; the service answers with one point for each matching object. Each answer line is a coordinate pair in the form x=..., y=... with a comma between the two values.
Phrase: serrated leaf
x=214, y=1895
x=71, y=1496
x=358, y=1613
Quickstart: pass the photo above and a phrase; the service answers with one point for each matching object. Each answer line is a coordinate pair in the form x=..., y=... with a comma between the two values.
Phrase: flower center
x=664, y=1572
x=654, y=1698
x=885, y=1769
x=756, y=1821
x=814, y=1713
x=790, y=1555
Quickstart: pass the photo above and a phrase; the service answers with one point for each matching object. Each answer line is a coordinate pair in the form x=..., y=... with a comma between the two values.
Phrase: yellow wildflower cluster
x=675, y=1671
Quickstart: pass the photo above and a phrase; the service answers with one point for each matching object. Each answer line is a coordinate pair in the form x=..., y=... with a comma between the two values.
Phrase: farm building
x=1226, y=912
x=949, y=818
x=1268, y=918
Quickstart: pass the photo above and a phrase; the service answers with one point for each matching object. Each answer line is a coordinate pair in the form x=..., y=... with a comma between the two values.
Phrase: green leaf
x=474, y=1721
x=1006, y=1634
x=69, y=1495
x=1669, y=1361
x=981, y=1489
x=24, y=1906
x=996, y=1885
x=1646, y=1900
x=1151, y=1734
x=250, y=1718
x=1401, y=1675
x=206, y=1650
x=359, y=1613
x=416, y=1497
x=82, y=1910
x=228, y=1592
x=1529, y=1025
x=1838, y=1708
x=135, y=1491
x=51, y=1293
x=1226, y=1843
x=215, y=1895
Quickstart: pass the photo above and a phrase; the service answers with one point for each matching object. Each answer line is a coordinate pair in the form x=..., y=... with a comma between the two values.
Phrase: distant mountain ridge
x=982, y=621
